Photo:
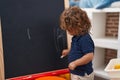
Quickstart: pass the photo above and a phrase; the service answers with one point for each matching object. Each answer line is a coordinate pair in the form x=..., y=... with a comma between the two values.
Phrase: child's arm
x=82, y=61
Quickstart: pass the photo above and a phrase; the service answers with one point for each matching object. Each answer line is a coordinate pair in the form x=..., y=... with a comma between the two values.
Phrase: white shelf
x=98, y=31
x=111, y=10
x=102, y=10
x=101, y=73
x=111, y=43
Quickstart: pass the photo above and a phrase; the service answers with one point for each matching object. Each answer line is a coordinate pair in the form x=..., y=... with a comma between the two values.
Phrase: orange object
x=50, y=78
x=66, y=76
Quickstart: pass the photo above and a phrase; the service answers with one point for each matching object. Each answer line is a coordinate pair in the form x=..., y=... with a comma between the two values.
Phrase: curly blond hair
x=76, y=18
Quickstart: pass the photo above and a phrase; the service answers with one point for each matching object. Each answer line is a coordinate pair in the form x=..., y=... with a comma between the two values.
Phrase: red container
x=43, y=74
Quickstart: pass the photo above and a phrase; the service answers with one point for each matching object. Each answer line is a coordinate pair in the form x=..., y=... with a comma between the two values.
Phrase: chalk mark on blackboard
x=60, y=39
x=28, y=33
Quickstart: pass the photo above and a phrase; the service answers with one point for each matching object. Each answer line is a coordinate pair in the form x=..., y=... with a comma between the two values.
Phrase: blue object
x=105, y=3
x=74, y=3
x=98, y=4
x=88, y=3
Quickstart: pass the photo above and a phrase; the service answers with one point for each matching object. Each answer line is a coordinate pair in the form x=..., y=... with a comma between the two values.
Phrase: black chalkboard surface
x=32, y=40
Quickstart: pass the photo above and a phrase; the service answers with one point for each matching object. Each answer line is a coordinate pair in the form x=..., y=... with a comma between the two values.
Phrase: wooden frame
x=1, y=56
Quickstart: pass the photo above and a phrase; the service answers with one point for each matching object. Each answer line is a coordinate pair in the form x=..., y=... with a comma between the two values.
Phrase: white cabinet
x=98, y=20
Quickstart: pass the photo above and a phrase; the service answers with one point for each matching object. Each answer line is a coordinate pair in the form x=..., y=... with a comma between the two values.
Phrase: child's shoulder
x=85, y=37
x=82, y=37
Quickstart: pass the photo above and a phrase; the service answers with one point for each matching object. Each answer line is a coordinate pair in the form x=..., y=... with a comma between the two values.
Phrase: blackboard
x=32, y=39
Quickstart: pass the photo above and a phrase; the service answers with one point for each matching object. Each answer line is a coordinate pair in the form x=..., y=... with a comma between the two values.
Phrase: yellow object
x=66, y=76
x=117, y=66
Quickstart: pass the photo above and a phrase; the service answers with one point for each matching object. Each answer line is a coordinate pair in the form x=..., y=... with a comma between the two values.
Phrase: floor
x=99, y=78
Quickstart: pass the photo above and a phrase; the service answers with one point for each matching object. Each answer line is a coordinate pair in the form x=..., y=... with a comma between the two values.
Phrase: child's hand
x=72, y=66
x=64, y=53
